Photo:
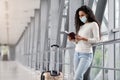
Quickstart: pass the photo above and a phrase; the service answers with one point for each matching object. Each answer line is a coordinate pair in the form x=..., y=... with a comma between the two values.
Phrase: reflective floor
x=11, y=70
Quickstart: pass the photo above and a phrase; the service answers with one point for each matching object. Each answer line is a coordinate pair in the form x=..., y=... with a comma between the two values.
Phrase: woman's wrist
x=85, y=39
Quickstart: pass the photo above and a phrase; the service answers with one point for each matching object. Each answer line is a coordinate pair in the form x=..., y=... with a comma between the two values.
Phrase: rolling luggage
x=53, y=74
x=50, y=76
x=5, y=57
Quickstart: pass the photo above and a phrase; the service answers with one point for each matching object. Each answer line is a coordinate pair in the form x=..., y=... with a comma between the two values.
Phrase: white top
x=91, y=32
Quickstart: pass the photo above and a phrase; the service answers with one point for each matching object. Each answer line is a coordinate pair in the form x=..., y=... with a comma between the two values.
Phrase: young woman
x=87, y=33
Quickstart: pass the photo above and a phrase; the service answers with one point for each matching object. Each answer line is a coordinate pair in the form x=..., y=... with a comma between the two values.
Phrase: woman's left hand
x=78, y=38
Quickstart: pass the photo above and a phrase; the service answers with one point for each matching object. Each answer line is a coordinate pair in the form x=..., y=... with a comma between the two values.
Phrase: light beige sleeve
x=95, y=32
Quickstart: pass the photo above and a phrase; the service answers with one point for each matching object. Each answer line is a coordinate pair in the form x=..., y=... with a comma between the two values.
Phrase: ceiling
x=14, y=16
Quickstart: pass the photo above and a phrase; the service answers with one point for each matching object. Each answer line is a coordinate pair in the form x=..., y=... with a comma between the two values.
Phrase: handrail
x=107, y=42
x=118, y=69
x=99, y=43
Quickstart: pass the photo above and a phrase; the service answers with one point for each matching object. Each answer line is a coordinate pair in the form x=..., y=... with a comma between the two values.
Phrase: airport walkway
x=11, y=70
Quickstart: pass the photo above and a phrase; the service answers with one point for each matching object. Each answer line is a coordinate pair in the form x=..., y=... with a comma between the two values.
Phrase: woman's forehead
x=81, y=13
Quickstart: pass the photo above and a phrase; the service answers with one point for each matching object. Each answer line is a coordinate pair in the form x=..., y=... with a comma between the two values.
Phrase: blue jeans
x=82, y=62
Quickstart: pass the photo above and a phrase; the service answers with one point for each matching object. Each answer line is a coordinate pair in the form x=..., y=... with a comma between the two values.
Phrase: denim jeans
x=82, y=62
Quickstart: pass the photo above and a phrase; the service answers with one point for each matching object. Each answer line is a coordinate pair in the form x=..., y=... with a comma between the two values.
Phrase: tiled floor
x=11, y=70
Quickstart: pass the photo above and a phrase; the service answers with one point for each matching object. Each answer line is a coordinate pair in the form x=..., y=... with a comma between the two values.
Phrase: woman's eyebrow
x=81, y=15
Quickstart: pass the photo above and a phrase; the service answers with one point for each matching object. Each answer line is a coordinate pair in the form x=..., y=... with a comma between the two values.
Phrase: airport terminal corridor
x=35, y=41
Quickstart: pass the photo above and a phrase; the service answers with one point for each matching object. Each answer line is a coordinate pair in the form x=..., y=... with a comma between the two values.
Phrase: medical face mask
x=83, y=19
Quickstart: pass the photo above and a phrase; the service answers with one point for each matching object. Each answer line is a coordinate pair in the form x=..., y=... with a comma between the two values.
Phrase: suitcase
x=5, y=57
x=48, y=76
x=53, y=74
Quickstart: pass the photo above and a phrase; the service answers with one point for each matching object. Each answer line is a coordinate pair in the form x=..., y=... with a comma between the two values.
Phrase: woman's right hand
x=70, y=39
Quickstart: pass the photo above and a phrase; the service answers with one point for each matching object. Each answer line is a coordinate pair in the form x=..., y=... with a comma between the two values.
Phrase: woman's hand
x=78, y=38
x=70, y=39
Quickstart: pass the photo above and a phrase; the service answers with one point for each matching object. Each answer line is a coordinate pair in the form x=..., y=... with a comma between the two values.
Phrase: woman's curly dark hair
x=90, y=17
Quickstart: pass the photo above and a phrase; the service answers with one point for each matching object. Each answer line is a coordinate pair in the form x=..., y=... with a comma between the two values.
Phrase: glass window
x=109, y=56
x=117, y=55
x=117, y=35
x=98, y=56
x=106, y=56
x=94, y=6
x=104, y=25
x=96, y=74
x=117, y=13
x=117, y=75
x=68, y=64
x=104, y=37
x=105, y=74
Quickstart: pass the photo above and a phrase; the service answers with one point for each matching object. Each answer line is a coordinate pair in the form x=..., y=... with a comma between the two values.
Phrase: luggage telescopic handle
x=55, y=45
x=55, y=66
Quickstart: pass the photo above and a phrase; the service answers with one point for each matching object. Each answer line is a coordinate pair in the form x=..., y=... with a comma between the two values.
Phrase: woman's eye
x=81, y=15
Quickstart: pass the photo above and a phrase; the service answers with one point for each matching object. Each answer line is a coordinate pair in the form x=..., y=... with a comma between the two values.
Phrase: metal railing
x=97, y=44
